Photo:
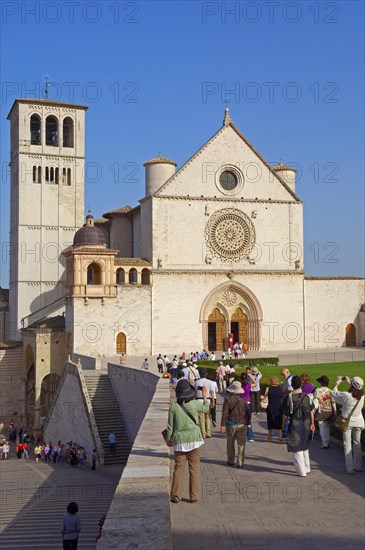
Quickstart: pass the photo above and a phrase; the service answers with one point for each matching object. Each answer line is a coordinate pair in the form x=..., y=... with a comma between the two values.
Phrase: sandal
x=175, y=499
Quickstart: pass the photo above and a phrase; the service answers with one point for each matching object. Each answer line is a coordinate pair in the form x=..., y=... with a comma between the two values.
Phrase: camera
x=200, y=388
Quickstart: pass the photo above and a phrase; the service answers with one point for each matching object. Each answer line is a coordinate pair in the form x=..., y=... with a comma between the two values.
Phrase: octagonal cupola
x=89, y=235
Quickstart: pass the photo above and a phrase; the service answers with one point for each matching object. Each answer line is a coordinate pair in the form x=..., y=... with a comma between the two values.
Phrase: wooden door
x=241, y=318
x=218, y=319
x=351, y=335
x=121, y=343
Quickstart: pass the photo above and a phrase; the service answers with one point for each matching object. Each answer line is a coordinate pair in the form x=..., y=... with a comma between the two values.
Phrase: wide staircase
x=107, y=415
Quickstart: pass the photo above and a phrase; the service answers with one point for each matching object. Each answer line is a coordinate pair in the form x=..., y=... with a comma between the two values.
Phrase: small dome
x=89, y=234
x=160, y=160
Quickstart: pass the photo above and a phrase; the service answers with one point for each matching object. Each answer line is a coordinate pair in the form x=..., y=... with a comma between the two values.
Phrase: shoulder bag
x=342, y=423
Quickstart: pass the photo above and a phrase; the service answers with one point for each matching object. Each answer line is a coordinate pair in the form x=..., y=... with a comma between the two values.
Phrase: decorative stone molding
x=230, y=234
x=228, y=298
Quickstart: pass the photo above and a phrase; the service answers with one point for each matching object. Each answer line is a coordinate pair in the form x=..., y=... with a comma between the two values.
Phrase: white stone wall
x=330, y=305
x=178, y=299
x=96, y=326
x=44, y=215
x=198, y=177
x=134, y=390
x=121, y=236
x=69, y=419
x=179, y=234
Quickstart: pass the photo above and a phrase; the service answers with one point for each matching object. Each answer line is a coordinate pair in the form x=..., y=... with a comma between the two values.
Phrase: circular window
x=228, y=180
x=230, y=234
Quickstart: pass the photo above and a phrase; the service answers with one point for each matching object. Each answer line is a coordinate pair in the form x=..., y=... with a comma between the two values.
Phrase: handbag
x=265, y=402
x=342, y=423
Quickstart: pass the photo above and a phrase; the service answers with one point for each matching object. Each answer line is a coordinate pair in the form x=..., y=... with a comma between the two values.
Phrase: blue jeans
x=250, y=433
x=249, y=429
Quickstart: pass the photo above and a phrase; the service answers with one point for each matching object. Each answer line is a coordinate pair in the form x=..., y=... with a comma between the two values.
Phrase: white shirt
x=347, y=401
x=208, y=386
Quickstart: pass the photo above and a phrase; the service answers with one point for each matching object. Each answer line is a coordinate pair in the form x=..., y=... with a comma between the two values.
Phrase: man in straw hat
x=236, y=416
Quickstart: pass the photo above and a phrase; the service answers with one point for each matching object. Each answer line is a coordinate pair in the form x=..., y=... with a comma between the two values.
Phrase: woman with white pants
x=298, y=409
x=352, y=436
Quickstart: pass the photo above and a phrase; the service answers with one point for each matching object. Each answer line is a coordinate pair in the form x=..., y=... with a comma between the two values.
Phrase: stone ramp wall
x=139, y=515
x=71, y=417
x=134, y=390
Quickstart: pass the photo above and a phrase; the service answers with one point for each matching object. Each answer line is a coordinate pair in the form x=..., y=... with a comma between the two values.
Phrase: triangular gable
x=164, y=189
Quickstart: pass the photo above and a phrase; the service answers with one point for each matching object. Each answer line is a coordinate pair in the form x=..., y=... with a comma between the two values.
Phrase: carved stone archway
x=238, y=304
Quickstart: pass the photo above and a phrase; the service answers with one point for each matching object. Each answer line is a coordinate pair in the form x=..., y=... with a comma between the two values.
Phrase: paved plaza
x=34, y=498
x=267, y=504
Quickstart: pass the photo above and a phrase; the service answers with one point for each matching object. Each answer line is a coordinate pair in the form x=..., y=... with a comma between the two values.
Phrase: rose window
x=230, y=234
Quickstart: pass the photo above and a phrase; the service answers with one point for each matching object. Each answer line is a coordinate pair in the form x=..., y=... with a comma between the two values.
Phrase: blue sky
x=156, y=75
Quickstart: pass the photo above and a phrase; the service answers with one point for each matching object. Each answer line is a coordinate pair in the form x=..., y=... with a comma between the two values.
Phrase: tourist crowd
x=292, y=407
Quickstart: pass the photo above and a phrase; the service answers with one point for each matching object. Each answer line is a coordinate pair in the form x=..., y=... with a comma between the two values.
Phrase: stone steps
x=108, y=416
x=34, y=498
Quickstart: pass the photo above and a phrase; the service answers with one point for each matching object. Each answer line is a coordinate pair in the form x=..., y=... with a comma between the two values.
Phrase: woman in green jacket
x=183, y=434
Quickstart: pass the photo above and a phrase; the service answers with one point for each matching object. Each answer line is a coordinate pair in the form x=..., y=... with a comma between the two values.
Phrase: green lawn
x=332, y=370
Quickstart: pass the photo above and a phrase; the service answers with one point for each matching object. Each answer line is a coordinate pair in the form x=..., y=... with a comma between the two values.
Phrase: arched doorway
x=239, y=325
x=350, y=335
x=231, y=307
x=216, y=332
x=121, y=343
x=48, y=390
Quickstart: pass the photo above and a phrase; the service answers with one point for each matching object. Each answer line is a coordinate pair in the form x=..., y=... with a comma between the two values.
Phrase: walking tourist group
x=292, y=407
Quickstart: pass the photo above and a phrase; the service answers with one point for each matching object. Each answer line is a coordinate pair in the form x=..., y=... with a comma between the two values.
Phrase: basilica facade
x=213, y=250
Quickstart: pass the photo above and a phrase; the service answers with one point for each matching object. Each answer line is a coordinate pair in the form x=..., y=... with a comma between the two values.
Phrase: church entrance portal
x=121, y=343
x=216, y=332
x=231, y=309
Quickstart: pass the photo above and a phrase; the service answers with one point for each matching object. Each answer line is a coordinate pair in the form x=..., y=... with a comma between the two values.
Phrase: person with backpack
x=298, y=410
x=236, y=417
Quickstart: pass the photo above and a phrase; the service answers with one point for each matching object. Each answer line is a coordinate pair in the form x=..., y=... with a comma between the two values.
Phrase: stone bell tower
x=47, y=204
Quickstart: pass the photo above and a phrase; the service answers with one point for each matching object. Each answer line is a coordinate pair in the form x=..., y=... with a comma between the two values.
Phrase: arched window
x=34, y=174
x=52, y=131
x=35, y=130
x=68, y=132
x=133, y=276
x=146, y=276
x=57, y=176
x=46, y=173
x=68, y=176
x=94, y=274
x=120, y=276
x=39, y=174
x=51, y=174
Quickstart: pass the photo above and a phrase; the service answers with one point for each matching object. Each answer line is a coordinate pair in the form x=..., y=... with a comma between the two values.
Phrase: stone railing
x=139, y=515
x=76, y=370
